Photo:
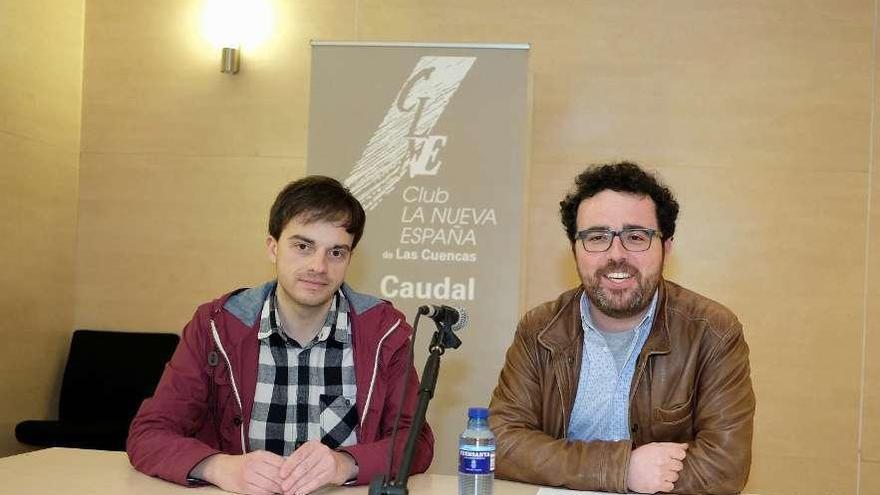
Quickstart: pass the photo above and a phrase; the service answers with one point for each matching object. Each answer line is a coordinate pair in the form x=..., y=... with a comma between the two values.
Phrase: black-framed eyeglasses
x=599, y=240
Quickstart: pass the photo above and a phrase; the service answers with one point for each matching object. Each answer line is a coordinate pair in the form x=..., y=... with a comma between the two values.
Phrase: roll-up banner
x=431, y=138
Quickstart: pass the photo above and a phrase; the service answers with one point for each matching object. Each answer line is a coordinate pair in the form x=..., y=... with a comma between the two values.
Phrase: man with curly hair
x=628, y=382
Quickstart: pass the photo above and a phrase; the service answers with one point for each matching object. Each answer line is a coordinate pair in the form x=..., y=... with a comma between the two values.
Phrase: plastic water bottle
x=476, y=455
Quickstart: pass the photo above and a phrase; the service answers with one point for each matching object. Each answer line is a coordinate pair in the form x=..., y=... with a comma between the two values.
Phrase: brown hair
x=317, y=198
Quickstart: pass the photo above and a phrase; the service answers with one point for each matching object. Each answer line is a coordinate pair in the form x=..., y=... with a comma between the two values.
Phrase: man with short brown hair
x=292, y=385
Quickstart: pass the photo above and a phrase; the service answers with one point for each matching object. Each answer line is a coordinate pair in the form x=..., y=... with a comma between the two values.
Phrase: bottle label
x=476, y=459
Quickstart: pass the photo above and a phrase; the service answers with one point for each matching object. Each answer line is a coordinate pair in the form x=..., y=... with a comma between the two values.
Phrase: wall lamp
x=230, y=60
x=232, y=24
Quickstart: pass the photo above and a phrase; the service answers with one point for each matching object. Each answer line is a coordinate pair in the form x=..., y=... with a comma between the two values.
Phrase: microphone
x=458, y=317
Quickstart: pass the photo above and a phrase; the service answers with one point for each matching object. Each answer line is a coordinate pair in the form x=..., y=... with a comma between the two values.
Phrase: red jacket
x=200, y=408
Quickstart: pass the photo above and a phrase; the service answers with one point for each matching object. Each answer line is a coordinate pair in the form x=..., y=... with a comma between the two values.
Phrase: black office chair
x=108, y=375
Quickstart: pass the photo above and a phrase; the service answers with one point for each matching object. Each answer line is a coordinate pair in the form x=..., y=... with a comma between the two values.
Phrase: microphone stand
x=443, y=338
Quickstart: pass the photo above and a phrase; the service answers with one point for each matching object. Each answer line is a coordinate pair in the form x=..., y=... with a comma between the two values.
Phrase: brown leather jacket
x=691, y=384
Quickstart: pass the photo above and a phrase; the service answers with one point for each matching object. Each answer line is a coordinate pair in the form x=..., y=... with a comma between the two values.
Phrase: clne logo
x=403, y=142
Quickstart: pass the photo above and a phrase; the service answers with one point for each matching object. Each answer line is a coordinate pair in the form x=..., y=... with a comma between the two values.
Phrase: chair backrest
x=109, y=374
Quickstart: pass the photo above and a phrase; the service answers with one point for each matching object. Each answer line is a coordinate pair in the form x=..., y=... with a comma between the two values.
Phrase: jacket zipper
x=216, y=336
x=376, y=370
x=563, y=379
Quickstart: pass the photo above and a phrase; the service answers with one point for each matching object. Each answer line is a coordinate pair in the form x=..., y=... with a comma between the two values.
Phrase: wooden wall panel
x=870, y=419
x=40, y=99
x=160, y=235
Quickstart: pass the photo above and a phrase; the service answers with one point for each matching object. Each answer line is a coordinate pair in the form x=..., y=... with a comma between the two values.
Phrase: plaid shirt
x=304, y=392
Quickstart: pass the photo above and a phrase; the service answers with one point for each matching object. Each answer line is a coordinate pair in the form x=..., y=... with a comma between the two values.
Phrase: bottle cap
x=478, y=413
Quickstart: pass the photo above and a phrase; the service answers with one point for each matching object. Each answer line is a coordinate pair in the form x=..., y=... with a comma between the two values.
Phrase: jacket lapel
x=563, y=339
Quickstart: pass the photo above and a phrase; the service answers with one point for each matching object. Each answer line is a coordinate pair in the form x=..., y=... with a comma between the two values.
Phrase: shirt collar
x=336, y=324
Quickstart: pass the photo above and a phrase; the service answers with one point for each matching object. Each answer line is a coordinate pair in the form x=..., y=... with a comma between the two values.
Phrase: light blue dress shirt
x=601, y=407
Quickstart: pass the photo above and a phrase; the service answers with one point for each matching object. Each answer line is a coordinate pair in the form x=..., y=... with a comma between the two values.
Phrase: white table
x=60, y=471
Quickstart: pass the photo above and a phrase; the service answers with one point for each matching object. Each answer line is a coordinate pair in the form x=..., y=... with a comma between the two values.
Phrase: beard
x=621, y=303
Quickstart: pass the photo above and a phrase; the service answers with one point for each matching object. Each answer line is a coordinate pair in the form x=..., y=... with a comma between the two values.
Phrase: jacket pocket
x=338, y=419
x=674, y=423
x=674, y=415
